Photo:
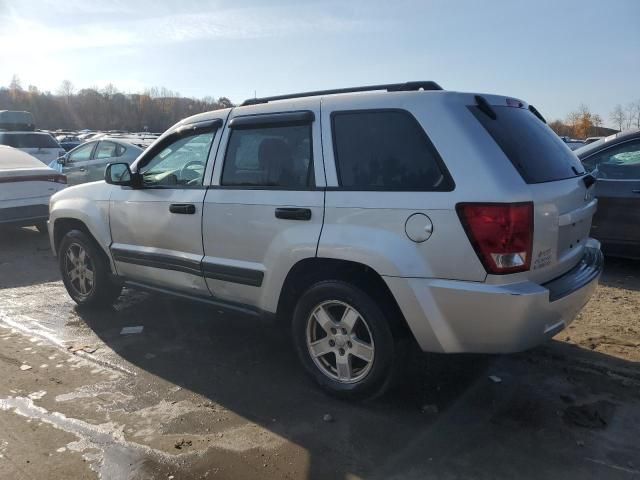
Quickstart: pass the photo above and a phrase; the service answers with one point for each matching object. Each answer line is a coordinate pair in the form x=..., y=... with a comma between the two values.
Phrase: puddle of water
x=103, y=446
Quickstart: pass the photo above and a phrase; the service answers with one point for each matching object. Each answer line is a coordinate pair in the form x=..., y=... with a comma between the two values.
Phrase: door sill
x=222, y=304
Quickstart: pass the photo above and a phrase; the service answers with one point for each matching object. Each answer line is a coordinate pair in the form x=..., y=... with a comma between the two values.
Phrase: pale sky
x=554, y=54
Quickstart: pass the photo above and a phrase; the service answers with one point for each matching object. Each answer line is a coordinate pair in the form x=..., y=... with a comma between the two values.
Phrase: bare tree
x=597, y=123
x=618, y=117
x=109, y=90
x=636, y=113
x=15, y=83
x=630, y=113
x=66, y=89
x=105, y=109
x=572, y=122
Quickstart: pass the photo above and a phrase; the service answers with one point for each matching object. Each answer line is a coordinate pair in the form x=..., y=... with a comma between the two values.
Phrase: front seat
x=275, y=159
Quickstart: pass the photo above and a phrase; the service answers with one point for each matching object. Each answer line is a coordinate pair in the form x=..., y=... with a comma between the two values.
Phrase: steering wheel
x=186, y=172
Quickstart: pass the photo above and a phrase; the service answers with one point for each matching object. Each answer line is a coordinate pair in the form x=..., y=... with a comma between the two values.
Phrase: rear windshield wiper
x=485, y=108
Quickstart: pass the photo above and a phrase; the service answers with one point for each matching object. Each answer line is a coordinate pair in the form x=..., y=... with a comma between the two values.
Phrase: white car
x=25, y=188
x=39, y=144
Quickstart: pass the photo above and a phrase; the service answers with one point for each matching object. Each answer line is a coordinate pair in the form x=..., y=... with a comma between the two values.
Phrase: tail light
x=501, y=234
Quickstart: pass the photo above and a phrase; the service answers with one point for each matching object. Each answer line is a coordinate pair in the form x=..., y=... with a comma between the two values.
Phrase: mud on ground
x=201, y=394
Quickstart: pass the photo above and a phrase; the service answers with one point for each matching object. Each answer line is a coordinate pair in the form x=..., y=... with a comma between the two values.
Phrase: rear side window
x=533, y=148
x=386, y=150
x=120, y=150
x=29, y=140
x=106, y=150
x=270, y=157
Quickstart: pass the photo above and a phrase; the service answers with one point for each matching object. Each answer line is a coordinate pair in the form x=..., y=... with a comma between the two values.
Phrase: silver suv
x=362, y=217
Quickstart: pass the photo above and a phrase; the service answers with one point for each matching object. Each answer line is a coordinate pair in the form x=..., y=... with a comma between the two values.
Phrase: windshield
x=531, y=146
x=28, y=140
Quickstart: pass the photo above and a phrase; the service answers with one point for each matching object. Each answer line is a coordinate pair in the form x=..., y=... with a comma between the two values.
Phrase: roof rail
x=389, y=87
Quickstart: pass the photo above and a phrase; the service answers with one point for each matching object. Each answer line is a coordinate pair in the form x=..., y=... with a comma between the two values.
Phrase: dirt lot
x=201, y=394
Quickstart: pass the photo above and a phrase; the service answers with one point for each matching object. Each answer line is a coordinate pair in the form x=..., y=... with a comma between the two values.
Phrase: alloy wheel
x=79, y=270
x=340, y=342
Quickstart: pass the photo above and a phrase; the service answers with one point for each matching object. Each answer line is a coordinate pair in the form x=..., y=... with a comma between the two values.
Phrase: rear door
x=617, y=222
x=264, y=210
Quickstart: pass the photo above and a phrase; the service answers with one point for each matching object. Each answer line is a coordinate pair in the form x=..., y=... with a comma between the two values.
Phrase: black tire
x=103, y=290
x=42, y=228
x=387, y=360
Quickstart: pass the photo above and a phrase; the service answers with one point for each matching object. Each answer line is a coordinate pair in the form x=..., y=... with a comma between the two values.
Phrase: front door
x=264, y=210
x=157, y=229
x=617, y=221
x=77, y=163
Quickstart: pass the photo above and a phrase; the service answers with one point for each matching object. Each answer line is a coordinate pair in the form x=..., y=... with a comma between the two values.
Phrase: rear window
x=386, y=150
x=533, y=148
x=28, y=140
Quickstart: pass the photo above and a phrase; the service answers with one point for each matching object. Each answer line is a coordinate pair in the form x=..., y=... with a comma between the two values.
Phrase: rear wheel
x=85, y=271
x=344, y=340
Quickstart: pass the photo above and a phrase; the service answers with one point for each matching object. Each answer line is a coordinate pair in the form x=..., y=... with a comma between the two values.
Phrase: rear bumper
x=24, y=215
x=454, y=317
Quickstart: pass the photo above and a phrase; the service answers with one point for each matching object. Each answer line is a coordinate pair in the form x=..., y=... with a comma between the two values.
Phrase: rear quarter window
x=533, y=148
x=386, y=150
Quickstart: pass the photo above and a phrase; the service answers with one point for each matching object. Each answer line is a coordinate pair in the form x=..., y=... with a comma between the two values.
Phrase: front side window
x=385, y=150
x=106, y=150
x=81, y=154
x=619, y=163
x=269, y=157
x=179, y=164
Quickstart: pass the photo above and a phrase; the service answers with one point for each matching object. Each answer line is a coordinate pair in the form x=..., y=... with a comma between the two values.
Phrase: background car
x=615, y=162
x=86, y=163
x=25, y=188
x=38, y=144
x=589, y=140
x=575, y=144
x=16, y=120
x=68, y=142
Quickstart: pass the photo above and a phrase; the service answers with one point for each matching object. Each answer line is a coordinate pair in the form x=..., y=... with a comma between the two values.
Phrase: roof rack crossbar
x=389, y=87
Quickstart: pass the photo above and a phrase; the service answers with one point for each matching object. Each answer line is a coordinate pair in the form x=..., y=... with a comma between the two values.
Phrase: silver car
x=87, y=162
x=404, y=211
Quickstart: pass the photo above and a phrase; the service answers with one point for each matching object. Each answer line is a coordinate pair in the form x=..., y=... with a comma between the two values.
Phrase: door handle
x=185, y=208
x=82, y=169
x=635, y=191
x=293, y=213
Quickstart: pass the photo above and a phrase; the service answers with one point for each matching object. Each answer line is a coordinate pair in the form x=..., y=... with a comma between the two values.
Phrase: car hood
x=97, y=191
x=26, y=172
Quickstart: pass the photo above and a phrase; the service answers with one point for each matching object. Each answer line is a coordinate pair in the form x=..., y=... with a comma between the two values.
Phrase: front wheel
x=344, y=340
x=85, y=271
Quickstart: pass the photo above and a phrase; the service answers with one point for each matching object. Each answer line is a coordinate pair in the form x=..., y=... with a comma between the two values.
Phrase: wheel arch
x=62, y=226
x=309, y=271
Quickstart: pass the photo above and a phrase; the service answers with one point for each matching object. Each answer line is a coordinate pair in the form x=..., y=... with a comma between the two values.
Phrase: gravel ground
x=201, y=394
x=610, y=322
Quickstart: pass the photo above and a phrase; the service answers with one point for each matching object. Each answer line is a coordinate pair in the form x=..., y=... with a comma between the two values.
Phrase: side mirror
x=62, y=160
x=118, y=174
